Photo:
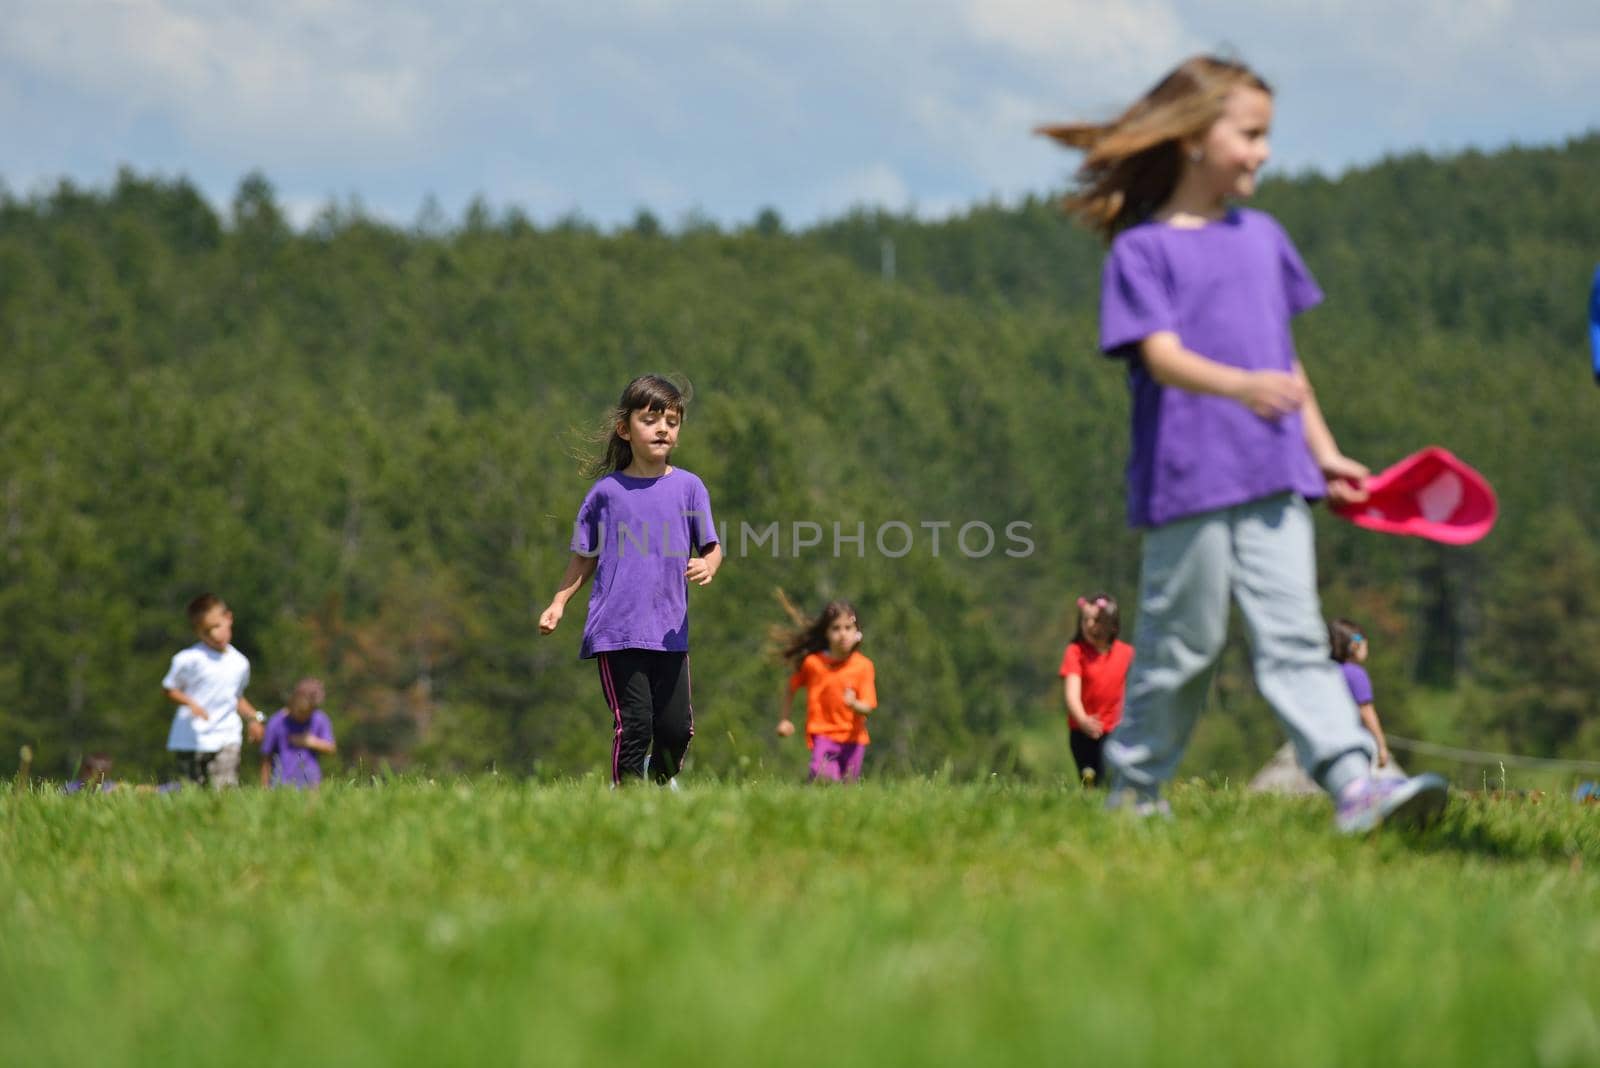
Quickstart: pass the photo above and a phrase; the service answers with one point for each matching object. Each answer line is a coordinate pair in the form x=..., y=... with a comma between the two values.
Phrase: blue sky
x=722, y=107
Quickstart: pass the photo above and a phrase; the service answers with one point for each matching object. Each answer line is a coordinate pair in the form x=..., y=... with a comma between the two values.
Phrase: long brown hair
x=654, y=393
x=806, y=636
x=1132, y=164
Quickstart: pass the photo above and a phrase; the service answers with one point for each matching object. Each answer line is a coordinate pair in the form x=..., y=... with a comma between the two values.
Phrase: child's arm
x=1267, y=393
x=1369, y=718
x=179, y=697
x=702, y=569
x=865, y=702
x=252, y=719
x=1344, y=475
x=580, y=569
x=307, y=740
x=858, y=706
x=1072, y=690
x=268, y=751
x=785, y=724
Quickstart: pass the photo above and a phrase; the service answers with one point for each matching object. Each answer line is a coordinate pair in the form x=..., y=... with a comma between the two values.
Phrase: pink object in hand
x=1430, y=494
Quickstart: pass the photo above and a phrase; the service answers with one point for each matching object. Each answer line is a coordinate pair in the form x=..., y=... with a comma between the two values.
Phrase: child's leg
x=1276, y=583
x=673, y=725
x=189, y=767
x=625, y=678
x=851, y=757
x=1183, y=622
x=825, y=759
x=224, y=769
x=1089, y=754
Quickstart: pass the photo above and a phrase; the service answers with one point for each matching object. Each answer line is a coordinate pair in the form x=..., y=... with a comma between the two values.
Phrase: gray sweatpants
x=1261, y=553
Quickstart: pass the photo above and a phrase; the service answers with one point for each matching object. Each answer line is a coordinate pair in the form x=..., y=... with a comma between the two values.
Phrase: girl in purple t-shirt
x=295, y=735
x=1349, y=645
x=1228, y=442
x=636, y=535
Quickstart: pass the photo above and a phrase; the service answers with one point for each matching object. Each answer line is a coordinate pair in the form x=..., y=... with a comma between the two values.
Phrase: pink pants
x=836, y=761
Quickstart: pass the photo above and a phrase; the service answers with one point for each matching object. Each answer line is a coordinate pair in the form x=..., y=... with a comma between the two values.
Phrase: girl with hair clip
x=1228, y=442
x=1094, y=671
x=840, y=685
x=1349, y=646
x=637, y=535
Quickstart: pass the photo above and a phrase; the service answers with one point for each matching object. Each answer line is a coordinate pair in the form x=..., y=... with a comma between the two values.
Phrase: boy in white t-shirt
x=207, y=682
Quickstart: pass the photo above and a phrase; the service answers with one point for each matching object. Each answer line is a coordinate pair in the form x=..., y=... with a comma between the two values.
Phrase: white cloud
x=875, y=184
x=286, y=77
x=1120, y=38
x=727, y=105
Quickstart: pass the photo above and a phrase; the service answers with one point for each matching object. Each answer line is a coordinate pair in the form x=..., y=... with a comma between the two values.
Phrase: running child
x=1094, y=673
x=1349, y=647
x=296, y=735
x=841, y=692
x=1228, y=442
x=206, y=681
x=636, y=535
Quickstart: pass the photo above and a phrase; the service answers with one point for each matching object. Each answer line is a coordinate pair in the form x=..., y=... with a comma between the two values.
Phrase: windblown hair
x=1341, y=638
x=654, y=393
x=1132, y=164
x=807, y=635
x=1108, y=610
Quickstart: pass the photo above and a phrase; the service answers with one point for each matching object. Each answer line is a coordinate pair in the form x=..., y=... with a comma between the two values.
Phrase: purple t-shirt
x=1360, y=683
x=643, y=530
x=1228, y=290
x=294, y=765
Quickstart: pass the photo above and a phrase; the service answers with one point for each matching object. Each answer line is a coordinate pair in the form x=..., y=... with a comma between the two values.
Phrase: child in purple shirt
x=295, y=736
x=637, y=535
x=1349, y=647
x=1228, y=442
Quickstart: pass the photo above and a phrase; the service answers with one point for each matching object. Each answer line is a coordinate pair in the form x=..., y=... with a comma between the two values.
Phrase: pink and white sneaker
x=1368, y=802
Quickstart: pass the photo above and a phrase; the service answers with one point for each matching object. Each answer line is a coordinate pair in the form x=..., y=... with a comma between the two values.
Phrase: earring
x=1197, y=155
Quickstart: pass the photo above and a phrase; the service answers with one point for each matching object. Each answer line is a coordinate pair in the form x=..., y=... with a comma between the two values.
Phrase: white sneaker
x=1140, y=807
x=1368, y=802
x=672, y=783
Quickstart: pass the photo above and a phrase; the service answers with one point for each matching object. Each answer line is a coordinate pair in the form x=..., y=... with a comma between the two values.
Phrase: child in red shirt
x=841, y=691
x=1094, y=672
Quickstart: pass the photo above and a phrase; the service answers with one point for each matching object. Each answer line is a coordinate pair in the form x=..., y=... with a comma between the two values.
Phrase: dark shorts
x=216, y=770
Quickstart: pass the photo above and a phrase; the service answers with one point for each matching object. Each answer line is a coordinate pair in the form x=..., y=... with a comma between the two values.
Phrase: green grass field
x=489, y=922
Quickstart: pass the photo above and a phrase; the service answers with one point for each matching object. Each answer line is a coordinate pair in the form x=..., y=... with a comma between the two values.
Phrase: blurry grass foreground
x=895, y=923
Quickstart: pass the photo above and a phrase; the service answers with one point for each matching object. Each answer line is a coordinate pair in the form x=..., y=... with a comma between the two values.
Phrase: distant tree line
x=361, y=435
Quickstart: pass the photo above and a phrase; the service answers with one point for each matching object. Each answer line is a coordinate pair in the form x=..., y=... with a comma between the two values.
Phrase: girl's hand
x=550, y=617
x=785, y=728
x=700, y=572
x=1271, y=394
x=1347, y=479
x=198, y=710
x=1092, y=728
x=1383, y=757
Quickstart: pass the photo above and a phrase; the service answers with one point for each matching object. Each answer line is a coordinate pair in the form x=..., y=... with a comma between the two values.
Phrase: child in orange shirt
x=841, y=691
x=1094, y=674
